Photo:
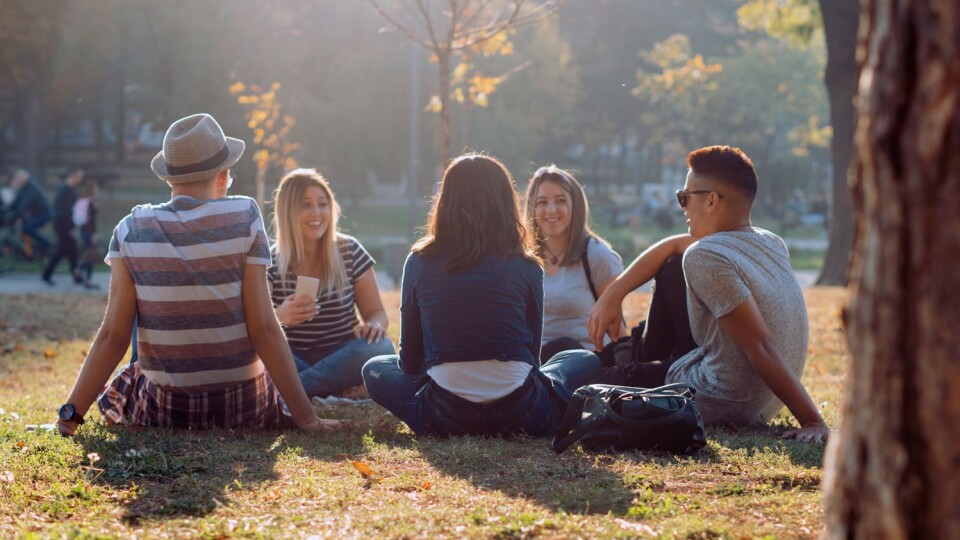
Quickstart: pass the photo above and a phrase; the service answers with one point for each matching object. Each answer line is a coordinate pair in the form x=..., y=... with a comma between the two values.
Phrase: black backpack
x=603, y=416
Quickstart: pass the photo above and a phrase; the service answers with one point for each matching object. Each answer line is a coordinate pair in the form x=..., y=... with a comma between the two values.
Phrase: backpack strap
x=586, y=269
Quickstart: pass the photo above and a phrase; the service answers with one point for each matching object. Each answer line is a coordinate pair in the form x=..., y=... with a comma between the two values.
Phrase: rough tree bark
x=893, y=467
x=840, y=18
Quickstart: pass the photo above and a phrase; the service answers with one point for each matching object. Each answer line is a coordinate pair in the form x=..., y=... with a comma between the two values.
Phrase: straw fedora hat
x=195, y=148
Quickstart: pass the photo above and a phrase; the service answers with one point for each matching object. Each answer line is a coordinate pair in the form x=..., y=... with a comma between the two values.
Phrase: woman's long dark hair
x=477, y=211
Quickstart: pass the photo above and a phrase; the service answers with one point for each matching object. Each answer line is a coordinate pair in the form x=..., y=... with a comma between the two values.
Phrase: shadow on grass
x=754, y=440
x=521, y=467
x=172, y=473
x=580, y=482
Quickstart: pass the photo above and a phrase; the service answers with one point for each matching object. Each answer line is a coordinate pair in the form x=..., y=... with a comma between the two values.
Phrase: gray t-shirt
x=723, y=270
x=567, y=299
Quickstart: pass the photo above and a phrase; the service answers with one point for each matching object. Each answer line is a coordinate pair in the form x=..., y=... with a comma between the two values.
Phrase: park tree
x=454, y=33
x=29, y=36
x=800, y=22
x=893, y=465
x=271, y=132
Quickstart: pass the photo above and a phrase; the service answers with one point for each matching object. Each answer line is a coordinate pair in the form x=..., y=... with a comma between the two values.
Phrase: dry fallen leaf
x=364, y=469
x=426, y=485
x=19, y=347
x=49, y=352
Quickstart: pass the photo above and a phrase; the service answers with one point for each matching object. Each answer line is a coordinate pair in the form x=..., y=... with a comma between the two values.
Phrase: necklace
x=554, y=258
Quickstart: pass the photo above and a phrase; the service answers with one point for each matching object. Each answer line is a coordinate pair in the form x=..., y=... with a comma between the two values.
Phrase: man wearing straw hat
x=193, y=272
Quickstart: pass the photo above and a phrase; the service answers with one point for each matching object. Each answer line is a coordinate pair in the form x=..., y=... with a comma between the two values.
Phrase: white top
x=567, y=299
x=480, y=381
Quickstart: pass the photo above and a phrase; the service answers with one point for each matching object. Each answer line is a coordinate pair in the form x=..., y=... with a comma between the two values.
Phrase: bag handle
x=574, y=410
x=586, y=268
x=660, y=391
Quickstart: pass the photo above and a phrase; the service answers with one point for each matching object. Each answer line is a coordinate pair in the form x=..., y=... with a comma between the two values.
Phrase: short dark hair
x=727, y=164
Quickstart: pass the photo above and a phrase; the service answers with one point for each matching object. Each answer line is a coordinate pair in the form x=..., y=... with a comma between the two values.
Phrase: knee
x=577, y=357
x=382, y=347
x=374, y=368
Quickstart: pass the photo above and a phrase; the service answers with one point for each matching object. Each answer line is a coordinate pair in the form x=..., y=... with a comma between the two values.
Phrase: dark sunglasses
x=684, y=196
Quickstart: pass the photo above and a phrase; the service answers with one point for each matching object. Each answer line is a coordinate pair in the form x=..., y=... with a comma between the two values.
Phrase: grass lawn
x=112, y=482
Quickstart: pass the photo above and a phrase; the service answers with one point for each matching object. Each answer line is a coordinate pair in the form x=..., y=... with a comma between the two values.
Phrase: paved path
x=24, y=283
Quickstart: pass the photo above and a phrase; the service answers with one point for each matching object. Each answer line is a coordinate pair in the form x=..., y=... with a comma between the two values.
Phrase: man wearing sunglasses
x=745, y=308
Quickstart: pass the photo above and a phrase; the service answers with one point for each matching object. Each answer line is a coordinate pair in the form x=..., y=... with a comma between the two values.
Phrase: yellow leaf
x=365, y=471
x=434, y=105
x=49, y=352
x=426, y=485
x=237, y=87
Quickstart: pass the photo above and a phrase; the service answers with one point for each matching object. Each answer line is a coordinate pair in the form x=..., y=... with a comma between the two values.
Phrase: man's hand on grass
x=818, y=432
x=326, y=425
x=66, y=428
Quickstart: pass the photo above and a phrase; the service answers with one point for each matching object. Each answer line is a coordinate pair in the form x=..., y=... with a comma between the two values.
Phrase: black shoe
x=78, y=279
x=48, y=281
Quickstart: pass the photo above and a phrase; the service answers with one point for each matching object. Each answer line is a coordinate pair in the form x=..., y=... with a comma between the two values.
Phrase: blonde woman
x=578, y=265
x=329, y=343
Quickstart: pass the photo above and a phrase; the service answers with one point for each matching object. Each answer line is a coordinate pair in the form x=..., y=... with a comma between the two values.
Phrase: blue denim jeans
x=535, y=408
x=326, y=372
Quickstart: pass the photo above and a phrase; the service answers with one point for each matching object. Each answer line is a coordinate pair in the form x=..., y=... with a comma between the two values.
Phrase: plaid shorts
x=131, y=399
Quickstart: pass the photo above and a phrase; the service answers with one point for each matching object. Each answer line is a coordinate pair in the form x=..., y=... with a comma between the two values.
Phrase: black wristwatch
x=68, y=413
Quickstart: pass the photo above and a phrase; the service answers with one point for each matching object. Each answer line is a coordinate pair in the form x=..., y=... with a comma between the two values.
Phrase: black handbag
x=603, y=416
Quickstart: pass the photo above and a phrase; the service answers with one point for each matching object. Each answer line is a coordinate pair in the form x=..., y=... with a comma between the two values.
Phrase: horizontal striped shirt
x=337, y=317
x=187, y=259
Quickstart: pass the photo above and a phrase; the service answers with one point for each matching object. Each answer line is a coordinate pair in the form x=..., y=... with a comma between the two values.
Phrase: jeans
x=535, y=408
x=331, y=370
x=31, y=227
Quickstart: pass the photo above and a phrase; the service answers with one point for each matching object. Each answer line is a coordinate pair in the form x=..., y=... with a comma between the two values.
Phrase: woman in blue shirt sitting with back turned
x=471, y=318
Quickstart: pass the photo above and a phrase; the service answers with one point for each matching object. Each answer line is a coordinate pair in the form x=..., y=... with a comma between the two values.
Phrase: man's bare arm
x=748, y=331
x=606, y=313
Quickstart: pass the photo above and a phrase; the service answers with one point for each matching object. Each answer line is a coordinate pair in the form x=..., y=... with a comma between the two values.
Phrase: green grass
x=111, y=482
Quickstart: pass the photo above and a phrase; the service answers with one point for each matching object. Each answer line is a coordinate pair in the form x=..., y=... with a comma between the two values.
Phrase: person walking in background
x=85, y=213
x=210, y=349
x=32, y=209
x=471, y=316
x=329, y=344
x=64, y=227
x=578, y=264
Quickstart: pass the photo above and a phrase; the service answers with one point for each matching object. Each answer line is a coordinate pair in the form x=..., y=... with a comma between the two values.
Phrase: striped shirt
x=187, y=259
x=337, y=317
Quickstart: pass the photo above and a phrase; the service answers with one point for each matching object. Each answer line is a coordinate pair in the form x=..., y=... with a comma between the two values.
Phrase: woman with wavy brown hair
x=578, y=264
x=471, y=316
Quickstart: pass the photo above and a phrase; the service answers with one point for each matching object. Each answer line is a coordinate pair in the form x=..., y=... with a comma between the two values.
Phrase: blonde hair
x=286, y=229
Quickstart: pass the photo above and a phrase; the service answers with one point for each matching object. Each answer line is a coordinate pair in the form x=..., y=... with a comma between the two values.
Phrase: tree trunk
x=840, y=18
x=893, y=467
x=261, y=181
x=443, y=61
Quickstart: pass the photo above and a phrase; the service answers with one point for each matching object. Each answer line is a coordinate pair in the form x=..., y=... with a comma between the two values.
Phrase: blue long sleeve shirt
x=492, y=310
